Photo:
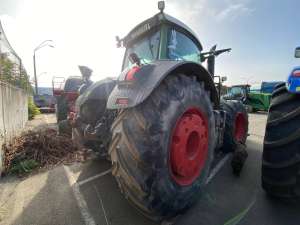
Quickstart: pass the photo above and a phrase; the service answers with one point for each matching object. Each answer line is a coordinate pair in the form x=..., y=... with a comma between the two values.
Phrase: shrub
x=33, y=110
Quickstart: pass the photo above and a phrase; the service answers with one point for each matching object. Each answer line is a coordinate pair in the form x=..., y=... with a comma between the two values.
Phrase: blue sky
x=262, y=33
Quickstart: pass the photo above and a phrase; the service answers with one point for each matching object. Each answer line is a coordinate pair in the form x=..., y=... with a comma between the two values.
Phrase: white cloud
x=233, y=11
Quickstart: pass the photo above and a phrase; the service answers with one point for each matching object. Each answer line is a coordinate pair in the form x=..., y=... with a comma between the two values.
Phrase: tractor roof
x=153, y=22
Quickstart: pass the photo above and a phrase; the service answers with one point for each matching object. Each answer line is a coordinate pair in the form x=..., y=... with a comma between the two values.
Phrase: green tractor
x=170, y=126
x=254, y=101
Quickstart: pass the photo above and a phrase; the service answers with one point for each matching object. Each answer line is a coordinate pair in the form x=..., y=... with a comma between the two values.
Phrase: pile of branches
x=43, y=148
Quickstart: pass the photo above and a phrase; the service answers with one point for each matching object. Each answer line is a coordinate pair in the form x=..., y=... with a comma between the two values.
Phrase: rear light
x=131, y=72
x=72, y=106
x=71, y=116
x=296, y=73
x=122, y=101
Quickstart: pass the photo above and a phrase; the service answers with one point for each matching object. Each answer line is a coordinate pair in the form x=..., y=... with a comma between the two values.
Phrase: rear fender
x=127, y=94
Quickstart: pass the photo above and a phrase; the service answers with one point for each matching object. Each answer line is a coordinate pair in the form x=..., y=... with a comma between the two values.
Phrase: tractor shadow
x=241, y=200
x=104, y=200
x=226, y=198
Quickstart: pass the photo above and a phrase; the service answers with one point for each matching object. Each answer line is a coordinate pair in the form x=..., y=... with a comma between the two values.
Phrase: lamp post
x=43, y=44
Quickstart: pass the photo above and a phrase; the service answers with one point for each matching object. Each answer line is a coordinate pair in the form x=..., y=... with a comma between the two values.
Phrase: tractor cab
x=158, y=38
x=237, y=92
x=163, y=37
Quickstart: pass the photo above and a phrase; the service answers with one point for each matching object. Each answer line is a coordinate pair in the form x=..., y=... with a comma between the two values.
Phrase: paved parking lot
x=228, y=199
x=88, y=194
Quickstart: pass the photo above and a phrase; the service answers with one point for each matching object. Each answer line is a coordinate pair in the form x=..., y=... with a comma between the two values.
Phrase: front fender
x=127, y=94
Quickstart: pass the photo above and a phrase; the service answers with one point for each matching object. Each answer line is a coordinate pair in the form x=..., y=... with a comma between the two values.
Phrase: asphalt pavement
x=88, y=194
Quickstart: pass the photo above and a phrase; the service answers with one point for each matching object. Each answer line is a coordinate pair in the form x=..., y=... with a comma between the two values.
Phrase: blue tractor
x=293, y=83
x=281, y=154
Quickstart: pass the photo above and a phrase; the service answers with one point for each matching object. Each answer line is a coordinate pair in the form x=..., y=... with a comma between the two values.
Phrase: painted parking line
x=102, y=205
x=82, y=205
x=218, y=167
x=94, y=177
x=86, y=215
x=211, y=176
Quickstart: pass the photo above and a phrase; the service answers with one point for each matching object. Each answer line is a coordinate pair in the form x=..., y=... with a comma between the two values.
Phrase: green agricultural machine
x=254, y=101
x=168, y=125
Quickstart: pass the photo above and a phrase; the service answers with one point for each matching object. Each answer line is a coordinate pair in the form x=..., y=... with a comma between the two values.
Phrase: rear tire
x=64, y=128
x=61, y=108
x=236, y=125
x=77, y=137
x=142, y=148
x=281, y=153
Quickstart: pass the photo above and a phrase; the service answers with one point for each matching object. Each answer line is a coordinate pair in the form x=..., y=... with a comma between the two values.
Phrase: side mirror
x=297, y=52
x=223, y=79
x=134, y=59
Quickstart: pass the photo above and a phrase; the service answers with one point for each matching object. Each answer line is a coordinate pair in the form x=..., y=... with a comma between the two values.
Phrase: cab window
x=146, y=48
x=181, y=47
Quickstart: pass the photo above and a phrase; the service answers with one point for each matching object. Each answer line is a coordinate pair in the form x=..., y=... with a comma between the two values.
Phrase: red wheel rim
x=240, y=127
x=189, y=147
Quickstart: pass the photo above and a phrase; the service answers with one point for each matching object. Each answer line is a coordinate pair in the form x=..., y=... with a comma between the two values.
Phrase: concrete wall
x=13, y=114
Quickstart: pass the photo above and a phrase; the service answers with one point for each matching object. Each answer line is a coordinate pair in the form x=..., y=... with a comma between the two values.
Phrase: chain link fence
x=11, y=67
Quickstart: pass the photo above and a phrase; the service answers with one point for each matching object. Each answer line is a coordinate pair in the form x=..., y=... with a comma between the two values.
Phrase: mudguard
x=293, y=82
x=130, y=93
x=97, y=91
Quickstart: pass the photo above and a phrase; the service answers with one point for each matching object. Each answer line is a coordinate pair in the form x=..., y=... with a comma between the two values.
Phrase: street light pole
x=35, y=78
x=43, y=44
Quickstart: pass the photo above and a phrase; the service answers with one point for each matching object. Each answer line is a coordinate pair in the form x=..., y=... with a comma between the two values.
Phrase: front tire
x=236, y=125
x=152, y=172
x=281, y=153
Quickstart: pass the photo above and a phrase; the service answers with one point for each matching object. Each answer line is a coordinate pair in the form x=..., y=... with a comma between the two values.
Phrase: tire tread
x=281, y=156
